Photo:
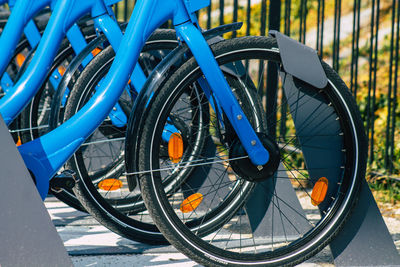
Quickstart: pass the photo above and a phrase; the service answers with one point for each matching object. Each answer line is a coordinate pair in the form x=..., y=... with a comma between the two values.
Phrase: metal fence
x=359, y=39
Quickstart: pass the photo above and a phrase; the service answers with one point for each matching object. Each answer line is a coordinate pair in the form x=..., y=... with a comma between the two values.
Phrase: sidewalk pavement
x=90, y=244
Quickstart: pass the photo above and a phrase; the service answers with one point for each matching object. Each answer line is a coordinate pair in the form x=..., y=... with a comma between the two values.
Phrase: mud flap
x=300, y=60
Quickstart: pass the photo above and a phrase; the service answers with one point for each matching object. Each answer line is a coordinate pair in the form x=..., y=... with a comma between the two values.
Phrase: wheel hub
x=246, y=169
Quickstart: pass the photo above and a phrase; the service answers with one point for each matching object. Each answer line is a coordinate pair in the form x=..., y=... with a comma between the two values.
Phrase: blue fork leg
x=201, y=51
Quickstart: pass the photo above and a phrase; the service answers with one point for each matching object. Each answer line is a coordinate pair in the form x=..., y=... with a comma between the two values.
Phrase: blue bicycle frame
x=45, y=155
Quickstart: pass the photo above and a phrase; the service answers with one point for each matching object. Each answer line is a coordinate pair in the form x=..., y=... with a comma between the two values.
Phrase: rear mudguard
x=300, y=60
x=155, y=81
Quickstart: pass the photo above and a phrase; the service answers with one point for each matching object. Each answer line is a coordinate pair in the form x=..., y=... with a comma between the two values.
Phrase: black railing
x=359, y=39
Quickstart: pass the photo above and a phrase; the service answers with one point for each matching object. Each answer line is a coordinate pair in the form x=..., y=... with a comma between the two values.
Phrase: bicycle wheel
x=100, y=158
x=296, y=203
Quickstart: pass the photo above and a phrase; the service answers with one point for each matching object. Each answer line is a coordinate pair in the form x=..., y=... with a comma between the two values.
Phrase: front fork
x=201, y=51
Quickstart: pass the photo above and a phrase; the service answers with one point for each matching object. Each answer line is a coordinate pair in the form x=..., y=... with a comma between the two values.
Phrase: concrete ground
x=90, y=244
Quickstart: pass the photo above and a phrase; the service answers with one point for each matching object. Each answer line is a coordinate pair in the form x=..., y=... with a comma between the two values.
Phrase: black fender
x=155, y=81
x=300, y=60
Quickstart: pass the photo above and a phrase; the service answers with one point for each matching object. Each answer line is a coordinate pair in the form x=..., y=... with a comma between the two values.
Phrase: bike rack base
x=364, y=239
x=28, y=236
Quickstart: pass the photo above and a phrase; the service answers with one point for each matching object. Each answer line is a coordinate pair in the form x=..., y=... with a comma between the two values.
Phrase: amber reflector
x=110, y=184
x=20, y=59
x=175, y=147
x=319, y=191
x=19, y=142
x=61, y=70
x=191, y=202
x=96, y=51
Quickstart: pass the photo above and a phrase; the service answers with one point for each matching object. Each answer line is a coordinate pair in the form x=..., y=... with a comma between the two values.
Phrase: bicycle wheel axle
x=246, y=169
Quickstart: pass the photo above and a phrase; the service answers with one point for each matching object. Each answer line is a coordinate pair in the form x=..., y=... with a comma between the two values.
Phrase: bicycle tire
x=86, y=189
x=227, y=245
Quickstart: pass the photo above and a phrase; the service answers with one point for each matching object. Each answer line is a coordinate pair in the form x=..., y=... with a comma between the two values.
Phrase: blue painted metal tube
x=215, y=78
x=22, y=12
x=111, y=30
x=33, y=36
x=114, y=35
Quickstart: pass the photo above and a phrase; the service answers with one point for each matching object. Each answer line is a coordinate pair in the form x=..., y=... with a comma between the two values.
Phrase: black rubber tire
x=85, y=191
x=308, y=243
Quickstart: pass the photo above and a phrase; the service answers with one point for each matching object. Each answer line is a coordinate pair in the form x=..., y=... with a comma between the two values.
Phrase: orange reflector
x=96, y=51
x=61, y=70
x=110, y=184
x=20, y=59
x=175, y=147
x=319, y=191
x=191, y=202
x=19, y=142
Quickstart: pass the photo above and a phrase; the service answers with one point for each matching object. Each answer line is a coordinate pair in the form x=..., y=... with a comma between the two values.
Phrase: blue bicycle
x=242, y=168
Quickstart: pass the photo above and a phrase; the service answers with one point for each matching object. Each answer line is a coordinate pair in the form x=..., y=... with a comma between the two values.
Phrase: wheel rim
x=318, y=228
